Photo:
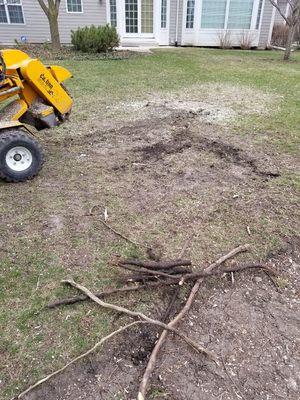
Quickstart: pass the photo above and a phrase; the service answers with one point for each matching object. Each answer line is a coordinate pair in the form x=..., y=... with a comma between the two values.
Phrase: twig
x=98, y=344
x=171, y=304
x=185, y=246
x=137, y=314
x=118, y=233
x=232, y=277
x=105, y=293
x=187, y=277
x=156, y=265
x=147, y=271
x=183, y=312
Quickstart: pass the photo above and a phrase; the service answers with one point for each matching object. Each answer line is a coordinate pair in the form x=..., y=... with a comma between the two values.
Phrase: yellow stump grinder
x=36, y=99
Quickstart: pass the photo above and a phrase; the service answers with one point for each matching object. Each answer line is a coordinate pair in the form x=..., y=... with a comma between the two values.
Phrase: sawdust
x=212, y=103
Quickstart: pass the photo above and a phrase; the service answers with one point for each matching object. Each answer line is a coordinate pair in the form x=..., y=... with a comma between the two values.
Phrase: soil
x=184, y=175
x=251, y=326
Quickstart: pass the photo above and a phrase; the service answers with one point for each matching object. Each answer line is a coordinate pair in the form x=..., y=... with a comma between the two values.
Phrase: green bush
x=95, y=39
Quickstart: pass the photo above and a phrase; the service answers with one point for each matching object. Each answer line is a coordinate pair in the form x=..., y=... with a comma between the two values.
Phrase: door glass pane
x=131, y=16
x=240, y=14
x=213, y=13
x=163, y=17
x=147, y=16
x=190, y=14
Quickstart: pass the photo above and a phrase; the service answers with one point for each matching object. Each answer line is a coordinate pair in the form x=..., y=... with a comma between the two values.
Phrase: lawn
x=107, y=155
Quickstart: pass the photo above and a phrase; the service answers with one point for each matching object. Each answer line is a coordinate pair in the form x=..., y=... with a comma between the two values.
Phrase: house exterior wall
x=36, y=28
x=176, y=16
x=267, y=24
x=198, y=36
x=97, y=12
x=283, y=6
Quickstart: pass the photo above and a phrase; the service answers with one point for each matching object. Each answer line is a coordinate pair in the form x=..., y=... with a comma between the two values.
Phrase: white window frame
x=198, y=11
x=74, y=12
x=8, y=17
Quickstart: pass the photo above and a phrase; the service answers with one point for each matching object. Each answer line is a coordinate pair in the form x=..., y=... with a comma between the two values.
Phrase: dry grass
x=160, y=178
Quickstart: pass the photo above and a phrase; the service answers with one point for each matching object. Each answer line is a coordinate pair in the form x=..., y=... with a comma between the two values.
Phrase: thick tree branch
x=137, y=314
x=152, y=360
x=156, y=265
x=44, y=7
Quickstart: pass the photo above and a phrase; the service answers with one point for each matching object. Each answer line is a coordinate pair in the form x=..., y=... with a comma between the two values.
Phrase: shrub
x=95, y=39
x=246, y=40
x=280, y=35
x=225, y=39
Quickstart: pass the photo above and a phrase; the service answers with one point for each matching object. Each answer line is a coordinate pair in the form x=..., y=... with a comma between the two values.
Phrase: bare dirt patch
x=166, y=176
x=252, y=327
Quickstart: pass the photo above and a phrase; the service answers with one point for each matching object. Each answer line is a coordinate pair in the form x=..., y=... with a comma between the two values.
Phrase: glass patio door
x=139, y=18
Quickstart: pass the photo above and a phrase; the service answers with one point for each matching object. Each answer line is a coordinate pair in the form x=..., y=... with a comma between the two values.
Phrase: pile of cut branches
x=147, y=274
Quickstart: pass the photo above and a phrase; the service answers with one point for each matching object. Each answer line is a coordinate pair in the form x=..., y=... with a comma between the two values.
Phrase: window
x=163, y=20
x=240, y=14
x=113, y=12
x=190, y=11
x=228, y=14
x=213, y=14
x=74, y=6
x=11, y=12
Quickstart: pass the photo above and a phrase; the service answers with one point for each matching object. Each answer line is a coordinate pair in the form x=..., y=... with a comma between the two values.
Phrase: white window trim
x=74, y=12
x=261, y=16
x=198, y=10
x=8, y=17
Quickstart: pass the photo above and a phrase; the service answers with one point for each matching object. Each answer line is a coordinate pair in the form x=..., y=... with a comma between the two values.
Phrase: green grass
x=35, y=341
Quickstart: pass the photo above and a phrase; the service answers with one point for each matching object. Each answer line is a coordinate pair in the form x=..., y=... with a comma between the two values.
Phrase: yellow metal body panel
x=15, y=124
x=22, y=110
x=36, y=80
x=43, y=82
x=14, y=110
x=61, y=74
x=14, y=59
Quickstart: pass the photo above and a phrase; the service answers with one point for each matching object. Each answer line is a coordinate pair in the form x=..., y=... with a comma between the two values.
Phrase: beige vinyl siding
x=173, y=19
x=94, y=13
x=278, y=18
x=36, y=27
x=266, y=24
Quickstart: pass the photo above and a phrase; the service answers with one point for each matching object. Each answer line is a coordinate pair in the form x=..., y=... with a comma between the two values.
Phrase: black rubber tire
x=15, y=138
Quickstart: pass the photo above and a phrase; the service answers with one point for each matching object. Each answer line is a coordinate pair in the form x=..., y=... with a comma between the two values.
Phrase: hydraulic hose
x=3, y=66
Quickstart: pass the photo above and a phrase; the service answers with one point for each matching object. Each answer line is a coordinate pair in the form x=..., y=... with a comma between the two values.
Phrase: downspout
x=177, y=22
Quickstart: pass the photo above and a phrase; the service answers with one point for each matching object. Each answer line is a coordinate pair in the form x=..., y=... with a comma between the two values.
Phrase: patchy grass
x=45, y=231
x=167, y=71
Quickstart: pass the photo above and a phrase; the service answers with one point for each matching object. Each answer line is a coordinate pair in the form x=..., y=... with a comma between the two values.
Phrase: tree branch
x=274, y=4
x=152, y=360
x=95, y=347
x=44, y=7
x=137, y=314
x=156, y=265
